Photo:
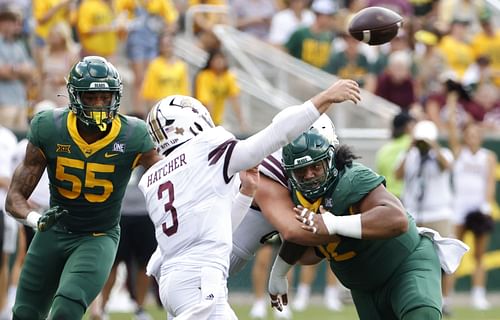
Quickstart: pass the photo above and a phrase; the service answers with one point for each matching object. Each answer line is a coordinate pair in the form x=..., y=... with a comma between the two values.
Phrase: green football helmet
x=94, y=74
x=312, y=151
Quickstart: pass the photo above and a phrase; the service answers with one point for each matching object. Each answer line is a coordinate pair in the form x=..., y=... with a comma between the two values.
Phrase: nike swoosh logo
x=98, y=234
x=109, y=155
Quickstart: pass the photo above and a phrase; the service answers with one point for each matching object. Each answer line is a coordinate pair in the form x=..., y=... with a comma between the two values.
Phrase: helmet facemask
x=95, y=90
x=313, y=178
x=96, y=115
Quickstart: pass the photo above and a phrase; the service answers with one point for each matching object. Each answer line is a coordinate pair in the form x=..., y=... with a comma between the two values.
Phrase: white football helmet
x=326, y=127
x=175, y=120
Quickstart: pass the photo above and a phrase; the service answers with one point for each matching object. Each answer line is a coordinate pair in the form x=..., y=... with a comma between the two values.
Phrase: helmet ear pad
x=94, y=74
x=175, y=120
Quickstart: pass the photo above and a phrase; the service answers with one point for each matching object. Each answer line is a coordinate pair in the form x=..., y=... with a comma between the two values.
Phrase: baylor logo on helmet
x=302, y=160
x=99, y=85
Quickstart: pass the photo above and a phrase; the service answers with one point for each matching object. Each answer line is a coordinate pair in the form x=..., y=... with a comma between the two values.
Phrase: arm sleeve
x=286, y=126
x=241, y=204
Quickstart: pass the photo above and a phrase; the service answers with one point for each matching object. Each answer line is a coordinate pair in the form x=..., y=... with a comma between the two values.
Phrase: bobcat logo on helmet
x=175, y=120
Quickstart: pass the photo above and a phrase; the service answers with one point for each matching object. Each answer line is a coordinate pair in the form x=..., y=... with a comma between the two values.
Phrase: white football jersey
x=187, y=196
x=254, y=229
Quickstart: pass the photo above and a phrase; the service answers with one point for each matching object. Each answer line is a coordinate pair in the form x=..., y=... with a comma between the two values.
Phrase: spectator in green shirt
x=387, y=158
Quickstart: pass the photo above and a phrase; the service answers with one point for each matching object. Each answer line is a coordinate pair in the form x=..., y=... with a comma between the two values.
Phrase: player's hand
x=278, y=290
x=311, y=221
x=343, y=90
x=50, y=218
x=249, y=181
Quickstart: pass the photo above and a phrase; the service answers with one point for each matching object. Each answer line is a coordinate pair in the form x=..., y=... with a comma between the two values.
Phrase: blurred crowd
x=442, y=68
x=444, y=46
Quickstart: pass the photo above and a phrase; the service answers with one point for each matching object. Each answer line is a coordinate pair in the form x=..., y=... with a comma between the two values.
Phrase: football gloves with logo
x=50, y=218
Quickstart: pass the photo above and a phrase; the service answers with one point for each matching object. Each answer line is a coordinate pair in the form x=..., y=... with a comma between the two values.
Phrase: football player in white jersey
x=189, y=193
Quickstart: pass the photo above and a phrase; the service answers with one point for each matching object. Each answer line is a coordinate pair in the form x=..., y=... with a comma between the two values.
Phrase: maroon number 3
x=168, y=207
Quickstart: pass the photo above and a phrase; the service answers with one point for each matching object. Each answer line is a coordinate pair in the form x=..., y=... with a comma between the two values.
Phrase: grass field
x=318, y=312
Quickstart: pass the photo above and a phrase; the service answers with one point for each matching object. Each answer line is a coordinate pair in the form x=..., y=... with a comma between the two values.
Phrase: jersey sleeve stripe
x=217, y=153
x=275, y=174
x=228, y=178
x=277, y=164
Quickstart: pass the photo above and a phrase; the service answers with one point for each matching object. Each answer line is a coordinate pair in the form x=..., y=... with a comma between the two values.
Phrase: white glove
x=278, y=283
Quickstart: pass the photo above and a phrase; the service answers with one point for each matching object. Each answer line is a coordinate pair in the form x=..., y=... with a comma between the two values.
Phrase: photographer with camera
x=427, y=192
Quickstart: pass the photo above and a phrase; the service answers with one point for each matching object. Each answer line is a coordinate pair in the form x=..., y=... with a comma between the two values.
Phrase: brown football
x=375, y=25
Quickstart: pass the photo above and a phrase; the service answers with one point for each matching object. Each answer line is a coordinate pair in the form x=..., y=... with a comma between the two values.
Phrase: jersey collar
x=313, y=206
x=89, y=149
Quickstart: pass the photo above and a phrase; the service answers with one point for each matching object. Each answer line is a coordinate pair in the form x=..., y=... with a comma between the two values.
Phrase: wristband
x=32, y=219
x=348, y=226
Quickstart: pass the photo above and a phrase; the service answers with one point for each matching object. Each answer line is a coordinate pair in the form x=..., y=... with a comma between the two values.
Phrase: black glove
x=50, y=218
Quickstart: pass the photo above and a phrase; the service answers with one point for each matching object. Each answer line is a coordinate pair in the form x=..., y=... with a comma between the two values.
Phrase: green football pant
x=62, y=266
x=414, y=288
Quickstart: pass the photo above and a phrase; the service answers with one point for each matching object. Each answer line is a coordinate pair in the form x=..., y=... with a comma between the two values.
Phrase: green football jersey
x=360, y=264
x=89, y=180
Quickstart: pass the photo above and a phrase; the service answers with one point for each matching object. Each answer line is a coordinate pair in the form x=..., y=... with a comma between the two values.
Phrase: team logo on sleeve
x=66, y=148
x=328, y=202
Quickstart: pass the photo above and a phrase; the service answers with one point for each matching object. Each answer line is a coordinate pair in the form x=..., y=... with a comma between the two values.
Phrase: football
x=375, y=25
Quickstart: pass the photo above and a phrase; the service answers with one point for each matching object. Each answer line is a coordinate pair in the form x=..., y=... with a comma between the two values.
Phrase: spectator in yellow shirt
x=166, y=75
x=146, y=21
x=98, y=28
x=214, y=85
x=456, y=50
x=487, y=44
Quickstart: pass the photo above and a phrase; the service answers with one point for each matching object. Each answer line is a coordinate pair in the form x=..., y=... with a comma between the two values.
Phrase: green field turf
x=318, y=312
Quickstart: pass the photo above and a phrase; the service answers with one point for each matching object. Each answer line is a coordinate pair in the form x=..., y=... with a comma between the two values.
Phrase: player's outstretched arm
x=24, y=180
x=288, y=124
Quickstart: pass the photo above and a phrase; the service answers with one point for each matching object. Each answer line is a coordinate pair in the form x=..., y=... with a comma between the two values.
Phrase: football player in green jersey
x=374, y=247
x=89, y=150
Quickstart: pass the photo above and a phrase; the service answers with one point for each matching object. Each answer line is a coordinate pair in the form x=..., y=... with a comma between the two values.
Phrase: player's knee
x=64, y=308
x=25, y=313
x=424, y=312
